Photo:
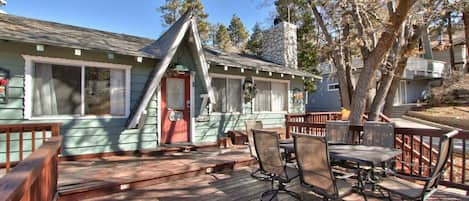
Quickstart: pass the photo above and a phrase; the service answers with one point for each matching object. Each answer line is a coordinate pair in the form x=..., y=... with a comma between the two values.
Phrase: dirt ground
x=456, y=116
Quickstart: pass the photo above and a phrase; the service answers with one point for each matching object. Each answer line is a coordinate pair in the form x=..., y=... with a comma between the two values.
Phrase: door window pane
x=262, y=100
x=234, y=95
x=175, y=92
x=97, y=91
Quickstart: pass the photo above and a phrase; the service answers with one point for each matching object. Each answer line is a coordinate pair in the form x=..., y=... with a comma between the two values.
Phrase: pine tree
x=170, y=11
x=238, y=33
x=173, y=9
x=223, y=38
x=255, y=41
x=199, y=12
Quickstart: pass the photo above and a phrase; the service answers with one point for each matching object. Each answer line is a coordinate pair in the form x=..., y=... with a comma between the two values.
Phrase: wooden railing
x=420, y=149
x=34, y=178
x=21, y=139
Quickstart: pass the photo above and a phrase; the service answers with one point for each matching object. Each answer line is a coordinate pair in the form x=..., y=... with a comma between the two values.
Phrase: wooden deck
x=237, y=185
x=102, y=176
x=206, y=174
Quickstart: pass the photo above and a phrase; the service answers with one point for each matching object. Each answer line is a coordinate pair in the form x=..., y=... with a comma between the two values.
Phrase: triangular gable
x=167, y=46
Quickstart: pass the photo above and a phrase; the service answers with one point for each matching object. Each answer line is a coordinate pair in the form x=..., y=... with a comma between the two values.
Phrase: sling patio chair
x=337, y=132
x=252, y=124
x=377, y=134
x=271, y=163
x=315, y=169
x=400, y=185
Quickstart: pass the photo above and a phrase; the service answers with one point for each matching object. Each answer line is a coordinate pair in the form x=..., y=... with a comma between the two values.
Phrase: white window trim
x=335, y=89
x=226, y=77
x=272, y=80
x=28, y=82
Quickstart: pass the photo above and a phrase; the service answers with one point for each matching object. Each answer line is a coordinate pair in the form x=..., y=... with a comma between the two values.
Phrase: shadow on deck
x=206, y=174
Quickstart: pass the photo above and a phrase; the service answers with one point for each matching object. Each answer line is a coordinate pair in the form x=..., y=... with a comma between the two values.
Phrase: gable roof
x=16, y=28
x=168, y=45
x=252, y=62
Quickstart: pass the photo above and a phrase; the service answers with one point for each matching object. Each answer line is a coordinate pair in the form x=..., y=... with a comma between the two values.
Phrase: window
x=333, y=87
x=271, y=96
x=60, y=87
x=227, y=94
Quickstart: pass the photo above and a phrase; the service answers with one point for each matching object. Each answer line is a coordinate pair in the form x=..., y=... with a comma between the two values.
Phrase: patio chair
x=316, y=174
x=252, y=124
x=399, y=184
x=271, y=163
x=337, y=131
x=378, y=134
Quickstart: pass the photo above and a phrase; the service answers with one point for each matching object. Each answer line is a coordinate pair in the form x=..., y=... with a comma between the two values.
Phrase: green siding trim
x=80, y=136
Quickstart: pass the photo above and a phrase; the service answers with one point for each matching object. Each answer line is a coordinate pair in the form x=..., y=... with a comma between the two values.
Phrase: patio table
x=372, y=155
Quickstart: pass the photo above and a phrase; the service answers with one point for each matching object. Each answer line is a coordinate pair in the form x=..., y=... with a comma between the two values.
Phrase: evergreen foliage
x=238, y=33
x=223, y=38
x=173, y=9
x=255, y=41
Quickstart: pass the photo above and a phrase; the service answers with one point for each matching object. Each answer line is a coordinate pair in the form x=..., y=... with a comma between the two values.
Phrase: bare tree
x=375, y=57
x=337, y=55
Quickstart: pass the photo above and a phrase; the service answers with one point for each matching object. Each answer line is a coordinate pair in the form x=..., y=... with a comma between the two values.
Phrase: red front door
x=175, y=106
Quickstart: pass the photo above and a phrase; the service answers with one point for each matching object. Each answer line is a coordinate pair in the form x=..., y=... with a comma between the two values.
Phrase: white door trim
x=192, y=108
x=160, y=122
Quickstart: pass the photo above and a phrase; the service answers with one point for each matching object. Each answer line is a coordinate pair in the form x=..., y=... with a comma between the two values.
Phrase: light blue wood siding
x=80, y=136
x=219, y=124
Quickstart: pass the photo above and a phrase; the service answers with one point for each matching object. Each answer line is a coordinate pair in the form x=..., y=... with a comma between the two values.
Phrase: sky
x=139, y=18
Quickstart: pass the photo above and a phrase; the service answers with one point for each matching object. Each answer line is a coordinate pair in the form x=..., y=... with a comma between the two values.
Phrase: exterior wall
x=415, y=90
x=219, y=124
x=80, y=136
x=324, y=100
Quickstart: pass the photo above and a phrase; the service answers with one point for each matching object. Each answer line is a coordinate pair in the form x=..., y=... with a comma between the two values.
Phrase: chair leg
x=260, y=176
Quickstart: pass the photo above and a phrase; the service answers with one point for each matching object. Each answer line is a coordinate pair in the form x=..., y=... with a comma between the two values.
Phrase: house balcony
x=420, y=68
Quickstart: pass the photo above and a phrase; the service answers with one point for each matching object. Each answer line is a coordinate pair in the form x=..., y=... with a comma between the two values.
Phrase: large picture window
x=56, y=88
x=272, y=96
x=227, y=94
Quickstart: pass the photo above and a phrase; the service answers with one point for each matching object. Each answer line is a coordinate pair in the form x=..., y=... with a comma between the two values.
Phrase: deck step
x=96, y=188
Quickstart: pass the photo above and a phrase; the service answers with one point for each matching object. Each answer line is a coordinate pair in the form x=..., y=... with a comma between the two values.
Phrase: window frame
x=28, y=85
x=271, y=80
x=334, y=89
x=226, y=77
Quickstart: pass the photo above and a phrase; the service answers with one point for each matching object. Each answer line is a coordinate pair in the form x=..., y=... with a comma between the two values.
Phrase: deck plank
x=234, y=186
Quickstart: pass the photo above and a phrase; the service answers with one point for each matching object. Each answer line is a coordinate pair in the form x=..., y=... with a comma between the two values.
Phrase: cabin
x=115, y=93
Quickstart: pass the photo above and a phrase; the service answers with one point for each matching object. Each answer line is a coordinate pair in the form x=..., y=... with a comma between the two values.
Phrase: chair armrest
x=420, y=178
x=344, y=176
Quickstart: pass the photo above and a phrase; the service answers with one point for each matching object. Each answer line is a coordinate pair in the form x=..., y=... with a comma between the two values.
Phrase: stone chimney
x=279, y=45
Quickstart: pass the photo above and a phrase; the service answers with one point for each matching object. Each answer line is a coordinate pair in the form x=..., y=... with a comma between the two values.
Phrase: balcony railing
x=419, y=147
x=34, y=178
x=20, y=140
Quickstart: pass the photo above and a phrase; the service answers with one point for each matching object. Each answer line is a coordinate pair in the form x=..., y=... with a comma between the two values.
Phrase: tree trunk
x=400, y=69
x=386, y=80
x=466, y=28
x=375, y=58
x=337, y=58
x=449, y=29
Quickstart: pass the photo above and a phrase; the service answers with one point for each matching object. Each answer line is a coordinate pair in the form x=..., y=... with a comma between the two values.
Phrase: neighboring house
x=115, y=92
x=420, y=75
